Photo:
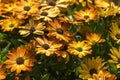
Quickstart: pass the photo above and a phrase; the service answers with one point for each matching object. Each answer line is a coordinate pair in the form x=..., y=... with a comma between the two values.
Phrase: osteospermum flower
x=87, y=15
x=32, y=28
x=112, y=10
x=10, y=23
x=26, y=8
x=79, y=48
x=20, y=60
x=115, y=32
x=2, y=72
x=59, y=4
x=91, y=67
x=72, y=2
x=115, y=55
x=47, y=14
x=103, y=75
x=47, y=47
x=94, y=38
x=59, y=31
x=85, y=2
x=102, y=3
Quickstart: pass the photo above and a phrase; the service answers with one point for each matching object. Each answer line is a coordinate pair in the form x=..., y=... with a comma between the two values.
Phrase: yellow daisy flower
x=72, y=2
x=47, y=14
x=59, y=30
x=102, y=3
x=10, y=23
x=26, y=8
x=79, y=48
x=59, y=4
x=115, y=32
x=87, y=15
x=32, y=28
x=20, y=60
x=91, y=67
x=115, y=55
x=93, y=38
x=47, y=47
x=104, y=75
x=112, y=10
x=2, y=72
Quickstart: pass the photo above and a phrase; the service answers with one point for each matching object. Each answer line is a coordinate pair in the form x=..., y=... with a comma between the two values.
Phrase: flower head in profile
x=91, y=67
x=59, y=31
x=103, y=75
x=2, y=72
x=115, y=56
x=20, y=60
x=47, y=47
x=32, y=28
x=10, y=23
x=80, y=48
x=94, y=38
x=115, y=32
x=87, y=15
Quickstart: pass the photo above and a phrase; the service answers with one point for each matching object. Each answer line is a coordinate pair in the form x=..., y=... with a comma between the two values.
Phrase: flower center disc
x=59, y=30
x=19, y=60
x=52, y=3
x=44, y=13
x=11, y=25
x=26, y=8
x=79, y=49
x=117, y=36
x=46, y=46
x=92, y=71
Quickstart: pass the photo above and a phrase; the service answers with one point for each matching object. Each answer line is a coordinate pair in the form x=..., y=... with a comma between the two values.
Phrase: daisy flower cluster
x=59, y=39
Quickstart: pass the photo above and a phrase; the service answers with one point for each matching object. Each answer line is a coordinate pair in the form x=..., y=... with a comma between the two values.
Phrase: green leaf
x=2, y=36
x=45, y=77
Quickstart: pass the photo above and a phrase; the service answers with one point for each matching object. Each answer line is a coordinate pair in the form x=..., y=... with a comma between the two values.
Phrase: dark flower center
x=46, y=46
x=19, y=60
x=117, y=36
x=79, y=49
x=44, y=13
x=86, y=16
x=32, y=29
x=92, y=71
x=52, y=3
x=118, y=60
x=59, y=30
x=26, y=8
x=11, y=25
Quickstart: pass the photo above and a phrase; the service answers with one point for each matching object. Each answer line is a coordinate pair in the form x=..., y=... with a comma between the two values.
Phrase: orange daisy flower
x=10, y=23
x=20, y=60
x=87, y=15
x=94, y=38
x=79, y=48
x=2, y=72
x=26, y=8
x=47, y=47
x=59, y=30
